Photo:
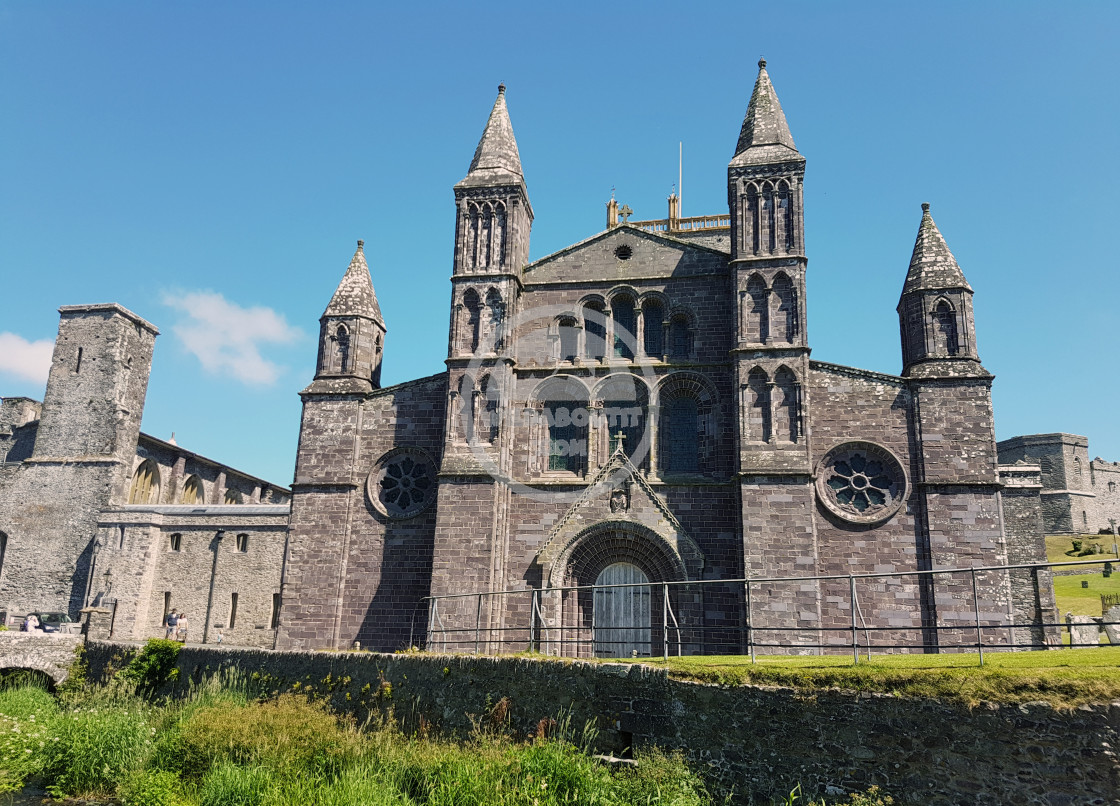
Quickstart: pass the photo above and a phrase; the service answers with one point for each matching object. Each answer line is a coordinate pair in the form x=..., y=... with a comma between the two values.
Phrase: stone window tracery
x=145, y=484
x=192, y=491
x=945, y=329
x=861, y=482
x=403, y=483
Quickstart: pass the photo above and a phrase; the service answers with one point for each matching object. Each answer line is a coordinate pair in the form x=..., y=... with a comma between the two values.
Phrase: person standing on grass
x=183, y=625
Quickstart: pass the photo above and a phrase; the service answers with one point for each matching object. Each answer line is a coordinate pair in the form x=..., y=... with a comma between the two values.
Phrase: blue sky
x=211, y=165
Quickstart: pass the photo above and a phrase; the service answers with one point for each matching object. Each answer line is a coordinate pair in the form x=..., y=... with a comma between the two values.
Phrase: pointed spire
x=932, y=266
x=765, y=123
x=496, y=160
x=355, y=296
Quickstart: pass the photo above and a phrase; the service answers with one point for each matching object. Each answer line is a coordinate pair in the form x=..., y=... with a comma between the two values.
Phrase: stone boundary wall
x=757, y=741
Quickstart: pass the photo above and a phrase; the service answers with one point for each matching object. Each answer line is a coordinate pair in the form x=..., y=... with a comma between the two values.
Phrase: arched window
x=653, y=316
x=680, y=435
x=341, y=349
x=680, y=337
x=472, y=320
x=145, y=484
x=759, y=425
x=753, y=220
x=472, y=236
x=495, y=312
x=787, y=413
x=625, y=411
x=758, y=310
x=569, y=339
x=945, y=329
x=192, y=491
x=564, y=425
x=622, y=615
x=594, y=331
x=1077, y=468
x=785, y=217
x=466, y=410
x=786, y=319
x=489, y=399
x=623, y=310
x=486, y=226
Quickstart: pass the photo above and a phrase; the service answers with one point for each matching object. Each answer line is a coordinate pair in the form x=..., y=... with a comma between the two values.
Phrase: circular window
x=623, y=252
x=861, y=482
x=402, y=483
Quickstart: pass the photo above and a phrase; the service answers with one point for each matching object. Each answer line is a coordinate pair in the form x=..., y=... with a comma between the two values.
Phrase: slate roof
x=932, y=266
x=354, y=295
x=764, y=126
x=496, y=160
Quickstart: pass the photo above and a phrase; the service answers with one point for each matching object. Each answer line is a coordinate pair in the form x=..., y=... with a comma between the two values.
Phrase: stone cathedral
x=641, y=408
x=637, y=410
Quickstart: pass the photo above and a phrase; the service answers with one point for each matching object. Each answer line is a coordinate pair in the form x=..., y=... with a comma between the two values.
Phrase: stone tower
x=935, y=311
x=351, y=333
x=83, y=456
x=97, y=383
x=768, y=263
x=493, y=218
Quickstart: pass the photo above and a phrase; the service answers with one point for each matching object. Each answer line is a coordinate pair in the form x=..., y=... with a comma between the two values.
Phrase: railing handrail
x=758, y=580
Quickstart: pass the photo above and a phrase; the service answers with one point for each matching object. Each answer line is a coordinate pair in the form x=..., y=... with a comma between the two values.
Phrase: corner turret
x=352, y=332
x=935, y=311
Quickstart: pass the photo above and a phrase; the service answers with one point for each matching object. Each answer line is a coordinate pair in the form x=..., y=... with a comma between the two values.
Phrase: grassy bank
x=226, y=743
x=1065, y=678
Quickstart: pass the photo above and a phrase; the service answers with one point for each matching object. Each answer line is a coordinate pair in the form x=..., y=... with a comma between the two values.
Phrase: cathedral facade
x=641, y=409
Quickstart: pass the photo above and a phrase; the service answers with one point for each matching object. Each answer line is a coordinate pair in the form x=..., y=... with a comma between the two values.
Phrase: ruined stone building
x=1079, y=495
x=93, y=511
x=639, y=408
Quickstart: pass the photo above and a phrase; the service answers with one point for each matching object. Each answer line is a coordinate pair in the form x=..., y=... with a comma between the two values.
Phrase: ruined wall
x=756, y=742
x=192, y=560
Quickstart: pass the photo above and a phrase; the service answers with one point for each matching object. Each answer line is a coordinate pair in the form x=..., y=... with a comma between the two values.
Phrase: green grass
x=1072, y=598
x=1065, y=678
x=220, y=747
x=1059, y=548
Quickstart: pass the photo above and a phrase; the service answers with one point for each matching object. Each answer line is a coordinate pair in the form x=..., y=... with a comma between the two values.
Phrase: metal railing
x=952, y=609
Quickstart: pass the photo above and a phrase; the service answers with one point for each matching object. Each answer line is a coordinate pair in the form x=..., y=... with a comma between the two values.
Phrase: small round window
x=861, y=482
x=402, y=483
x=623, y=252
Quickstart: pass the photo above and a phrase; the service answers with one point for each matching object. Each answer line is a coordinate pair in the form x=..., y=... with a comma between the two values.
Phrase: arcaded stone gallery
x=638, y=409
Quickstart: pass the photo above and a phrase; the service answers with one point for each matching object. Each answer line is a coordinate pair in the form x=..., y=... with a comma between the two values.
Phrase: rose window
x=402, y=484
x=861, y=482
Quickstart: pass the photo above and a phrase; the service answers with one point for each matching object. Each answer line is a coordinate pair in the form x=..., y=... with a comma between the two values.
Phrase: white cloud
x=27, y=360
x=227, y=338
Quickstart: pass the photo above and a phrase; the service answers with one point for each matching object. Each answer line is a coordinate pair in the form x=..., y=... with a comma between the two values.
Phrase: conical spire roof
x=932, y=266
x=496, y=160
x=354, y=295
x=765, y=122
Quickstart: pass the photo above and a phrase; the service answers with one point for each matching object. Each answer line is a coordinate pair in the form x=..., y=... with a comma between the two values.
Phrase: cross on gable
x=625, y=212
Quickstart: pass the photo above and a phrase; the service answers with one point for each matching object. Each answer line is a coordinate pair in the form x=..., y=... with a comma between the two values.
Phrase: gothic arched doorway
x=622, y=614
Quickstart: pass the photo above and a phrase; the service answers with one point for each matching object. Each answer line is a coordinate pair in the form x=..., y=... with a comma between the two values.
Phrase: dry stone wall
x=755, y=742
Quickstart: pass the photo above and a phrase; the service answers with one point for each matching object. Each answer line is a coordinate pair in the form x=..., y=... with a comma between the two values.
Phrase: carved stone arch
x=787, y=422
x=463, y=408
x=595, y=314
x=945, y=327
x=757, y=405
x=470, y=330
x=623, y=291
x=488, y=408
x=756, y=314
x=682, y=333
x=623, y=322
x=661, y=557
x=785, y=316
